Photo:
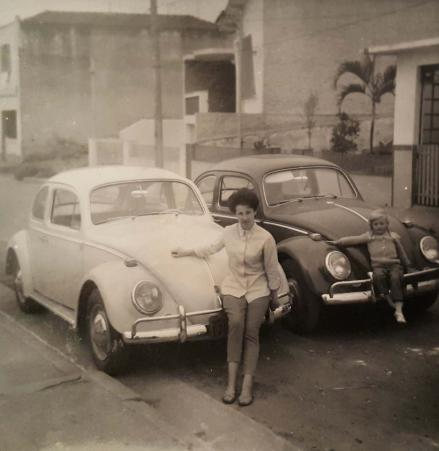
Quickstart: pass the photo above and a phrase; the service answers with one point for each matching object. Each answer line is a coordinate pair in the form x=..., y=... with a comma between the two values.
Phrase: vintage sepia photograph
x=219, y=225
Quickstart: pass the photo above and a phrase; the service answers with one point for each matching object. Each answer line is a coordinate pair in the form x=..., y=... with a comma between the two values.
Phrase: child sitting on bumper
x=388, y=258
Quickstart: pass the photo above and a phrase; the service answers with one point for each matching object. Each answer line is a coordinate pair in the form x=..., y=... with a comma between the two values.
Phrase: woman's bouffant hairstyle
x=243, y=196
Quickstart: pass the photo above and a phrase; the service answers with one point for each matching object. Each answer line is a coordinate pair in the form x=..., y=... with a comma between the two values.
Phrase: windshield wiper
x=302, y=198
x=173, y=210
x=331, y=196
x=163, y=212
x=114, y=218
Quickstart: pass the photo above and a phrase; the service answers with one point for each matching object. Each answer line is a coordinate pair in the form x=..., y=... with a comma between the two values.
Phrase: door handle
x=44, y=239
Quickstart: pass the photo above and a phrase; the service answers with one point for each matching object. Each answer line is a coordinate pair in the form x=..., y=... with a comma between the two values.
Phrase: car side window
x=231, y=184
x=206, y=187
x=65, y=209
x=39, y=205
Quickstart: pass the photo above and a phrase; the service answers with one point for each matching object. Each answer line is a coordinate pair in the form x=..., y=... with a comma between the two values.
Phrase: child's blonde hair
x=378, y=214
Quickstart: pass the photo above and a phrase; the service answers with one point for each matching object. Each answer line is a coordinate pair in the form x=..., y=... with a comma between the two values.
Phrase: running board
x=64, y=313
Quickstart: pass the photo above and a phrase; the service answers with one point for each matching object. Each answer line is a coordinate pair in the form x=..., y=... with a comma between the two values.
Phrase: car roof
x=258, y=165
x=85, y=179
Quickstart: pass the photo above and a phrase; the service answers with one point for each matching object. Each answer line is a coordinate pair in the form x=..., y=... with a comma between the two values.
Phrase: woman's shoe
x=245, y=401
x=229, y=398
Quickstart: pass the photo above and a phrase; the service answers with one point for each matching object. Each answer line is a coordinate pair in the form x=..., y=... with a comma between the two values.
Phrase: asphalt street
x=359, y=383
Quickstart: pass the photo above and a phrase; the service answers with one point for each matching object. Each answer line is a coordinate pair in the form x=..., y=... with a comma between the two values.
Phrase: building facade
x=295, y=49
x=66, y=77
x=416, y=123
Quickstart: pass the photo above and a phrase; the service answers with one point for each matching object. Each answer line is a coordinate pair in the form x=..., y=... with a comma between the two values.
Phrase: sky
x=205, y=9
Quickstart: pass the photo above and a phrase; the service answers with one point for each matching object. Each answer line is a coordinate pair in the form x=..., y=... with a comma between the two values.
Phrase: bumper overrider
x=184, y=331
x=362, y=290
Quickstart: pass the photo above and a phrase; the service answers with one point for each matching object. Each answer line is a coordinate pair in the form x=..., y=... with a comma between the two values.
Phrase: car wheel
x=420, y=303
x=107, y=347
x=26, y=304
x=306, y=307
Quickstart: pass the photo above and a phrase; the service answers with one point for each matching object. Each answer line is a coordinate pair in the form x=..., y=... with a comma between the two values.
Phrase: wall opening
x=9, y=124
x=217, y=78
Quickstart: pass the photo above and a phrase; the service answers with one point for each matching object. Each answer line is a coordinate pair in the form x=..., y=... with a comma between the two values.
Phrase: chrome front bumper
x=361, y=291
x=184, y=331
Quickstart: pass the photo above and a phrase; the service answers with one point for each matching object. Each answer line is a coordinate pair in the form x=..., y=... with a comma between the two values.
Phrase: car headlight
x=338, y=265
x=147, y=297
x=429, y=248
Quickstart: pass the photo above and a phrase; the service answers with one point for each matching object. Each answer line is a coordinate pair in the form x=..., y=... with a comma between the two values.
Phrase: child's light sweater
x=384, y=250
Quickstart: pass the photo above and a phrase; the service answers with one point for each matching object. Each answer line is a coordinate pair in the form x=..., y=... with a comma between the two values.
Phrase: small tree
x=345, y=133
x=309, y=112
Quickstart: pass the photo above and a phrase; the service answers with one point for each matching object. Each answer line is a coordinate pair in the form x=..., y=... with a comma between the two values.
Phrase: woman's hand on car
x=274, y=303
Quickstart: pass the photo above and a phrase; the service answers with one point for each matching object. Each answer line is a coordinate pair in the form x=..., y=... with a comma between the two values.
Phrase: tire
x=421, y=303
x=305, y=312
x=108, y=350
x=26, y=304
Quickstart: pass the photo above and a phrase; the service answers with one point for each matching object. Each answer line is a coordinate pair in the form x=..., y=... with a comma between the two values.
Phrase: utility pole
x=238, y=68
x=158, y=121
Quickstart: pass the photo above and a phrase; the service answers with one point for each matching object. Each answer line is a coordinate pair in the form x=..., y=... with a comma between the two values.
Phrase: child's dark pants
x=389, y=277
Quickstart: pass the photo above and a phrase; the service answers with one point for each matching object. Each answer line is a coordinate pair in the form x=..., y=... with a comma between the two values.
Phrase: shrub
x=344, y=133
x=59, y=149
x=385, y=148
x=25, y=170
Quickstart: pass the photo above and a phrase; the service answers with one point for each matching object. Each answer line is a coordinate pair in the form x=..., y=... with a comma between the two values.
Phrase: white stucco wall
x=407, y=117
x=143, y=132
x=408, y=88
x=253, y=25
x=9, y=86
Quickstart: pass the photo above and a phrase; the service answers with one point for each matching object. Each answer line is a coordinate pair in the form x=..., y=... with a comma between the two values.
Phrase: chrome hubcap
x=100, y=335
x=294, y=293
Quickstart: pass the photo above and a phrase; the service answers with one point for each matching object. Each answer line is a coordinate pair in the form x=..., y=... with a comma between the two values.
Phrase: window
x=9, y=120
x=430, y=105
x=65, y=210
x=290, y=184
x=206, y=186
x=142, y=198
x=229, y=185
x=5, y=59
x=185, y=199
x=39, y=205
x=192, y=105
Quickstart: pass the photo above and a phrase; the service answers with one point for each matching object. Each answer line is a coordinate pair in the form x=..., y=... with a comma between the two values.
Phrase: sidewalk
x=50, y=403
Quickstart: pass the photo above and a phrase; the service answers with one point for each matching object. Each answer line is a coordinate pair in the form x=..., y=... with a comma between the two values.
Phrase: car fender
x=115, y=281
x=19, y=245
x=308, y=259
x=416, y=233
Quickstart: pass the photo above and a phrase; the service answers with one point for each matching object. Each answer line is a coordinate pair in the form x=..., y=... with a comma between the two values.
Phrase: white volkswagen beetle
x=97, y=252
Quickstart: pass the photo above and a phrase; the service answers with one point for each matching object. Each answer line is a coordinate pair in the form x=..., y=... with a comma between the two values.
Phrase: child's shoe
x=400, y=318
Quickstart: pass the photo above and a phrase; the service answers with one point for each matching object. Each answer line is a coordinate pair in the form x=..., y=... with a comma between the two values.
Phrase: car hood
x=334, y=219
x=190, y=281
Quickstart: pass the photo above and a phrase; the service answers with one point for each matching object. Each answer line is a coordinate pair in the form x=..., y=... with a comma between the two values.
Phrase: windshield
x=142, y=198
x=294, y=184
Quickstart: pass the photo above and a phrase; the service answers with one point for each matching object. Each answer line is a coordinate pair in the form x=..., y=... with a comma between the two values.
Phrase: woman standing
x=247, y=291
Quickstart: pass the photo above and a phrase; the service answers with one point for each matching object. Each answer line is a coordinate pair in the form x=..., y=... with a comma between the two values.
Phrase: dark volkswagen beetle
x=306, y=202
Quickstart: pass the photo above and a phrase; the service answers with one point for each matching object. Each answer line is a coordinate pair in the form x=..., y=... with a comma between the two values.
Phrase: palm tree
x=372, y=85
